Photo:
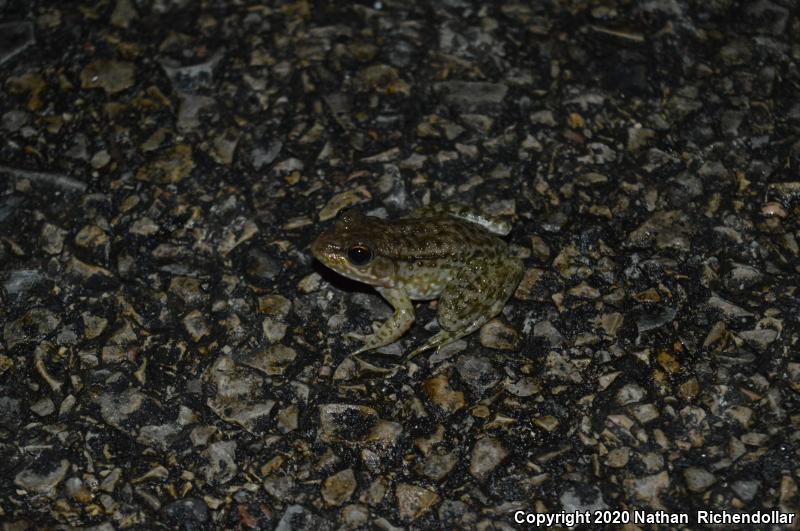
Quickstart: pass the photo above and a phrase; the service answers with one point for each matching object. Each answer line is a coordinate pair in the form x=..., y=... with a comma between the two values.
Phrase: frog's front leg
x=394, y=327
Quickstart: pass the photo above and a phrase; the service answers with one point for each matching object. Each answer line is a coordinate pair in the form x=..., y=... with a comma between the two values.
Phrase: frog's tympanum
x=448, y=253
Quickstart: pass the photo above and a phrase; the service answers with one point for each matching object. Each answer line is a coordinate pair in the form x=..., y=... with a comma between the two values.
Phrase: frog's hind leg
x=464, y=213
x=477, y=294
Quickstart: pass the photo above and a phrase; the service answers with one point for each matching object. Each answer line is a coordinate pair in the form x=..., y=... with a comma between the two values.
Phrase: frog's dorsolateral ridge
x=445, y=252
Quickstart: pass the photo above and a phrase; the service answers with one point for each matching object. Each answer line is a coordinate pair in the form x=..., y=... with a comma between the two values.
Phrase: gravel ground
x=171, y=356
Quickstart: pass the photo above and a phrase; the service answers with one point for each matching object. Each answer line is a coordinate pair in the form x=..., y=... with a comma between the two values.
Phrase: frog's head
x=352, y=248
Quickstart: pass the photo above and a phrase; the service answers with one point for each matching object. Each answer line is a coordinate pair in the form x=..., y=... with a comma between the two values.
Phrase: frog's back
x=436, y=237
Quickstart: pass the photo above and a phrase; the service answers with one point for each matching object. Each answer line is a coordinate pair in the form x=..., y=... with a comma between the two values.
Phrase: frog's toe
x=417, y=351
x=442, y=337
x=355, y=336
x=359, y=350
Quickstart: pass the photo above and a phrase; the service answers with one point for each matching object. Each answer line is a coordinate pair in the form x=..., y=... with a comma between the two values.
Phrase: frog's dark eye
x=359, y=254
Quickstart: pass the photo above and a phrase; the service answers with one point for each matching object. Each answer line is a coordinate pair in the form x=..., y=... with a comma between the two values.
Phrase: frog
x=448, y=252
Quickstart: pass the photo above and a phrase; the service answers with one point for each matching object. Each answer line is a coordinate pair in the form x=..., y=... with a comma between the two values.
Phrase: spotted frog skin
x=443, y=252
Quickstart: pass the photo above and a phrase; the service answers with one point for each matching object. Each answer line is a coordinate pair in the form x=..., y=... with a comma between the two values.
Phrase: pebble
x=487, y=454
x=32, y=326
x=497, y=335
x=52, y=239
x=438, y=466
x=727, y=309
x=43, y=407
x=20, y=283
x=618, y=457
x=186, y=512
x=287, y=419
x=196, y=325
x=282, y=487
x=438, y=391
x=240, y=396
x=346, y=422
x=414, y=501
x=342, y=201
x=355, y=516
x=309, y=283
x=100, y=159
x=169, y=167
x=91, y=236
x=10, y=412
x=339, y=488
x=261, y=156
x=760, y=339
x=144, y=227
x=524, y=387
x=545, y=330
x=273, y=329
x=124, y=13
x=698, y=479
x=261, y=266
x=582, y=501
x=546, y=422
x=77, y=490
x=746, y=489
x=222, y=466
x=543, y=117
x=109, y=75
x=477, y=372
x=629, y=394
x=92, y=276
x=272, y=360
x=12, y=121
x=188, y=290
x=471, y=96
x=527, y=286
x=44, y=477
x=648, y=489
x=298, y=517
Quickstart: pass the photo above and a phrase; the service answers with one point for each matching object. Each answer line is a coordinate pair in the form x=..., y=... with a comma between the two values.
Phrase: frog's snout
x=316, y=247
x=323, y=248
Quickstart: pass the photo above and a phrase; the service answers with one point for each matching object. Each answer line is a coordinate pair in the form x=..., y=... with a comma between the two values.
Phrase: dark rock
x=298, y=517
x=261, y=267
x=477, y=372
x=471, y=96
x=43, y=476
x=10, y=412
x=188, y=513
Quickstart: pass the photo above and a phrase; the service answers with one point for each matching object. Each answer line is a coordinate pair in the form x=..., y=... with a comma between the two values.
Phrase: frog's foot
x=369, y=341
x=390, y=330
x=440, y=339
x=445, y=337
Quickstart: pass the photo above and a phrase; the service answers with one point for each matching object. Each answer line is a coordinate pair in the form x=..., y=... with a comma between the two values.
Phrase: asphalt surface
x=171, y=356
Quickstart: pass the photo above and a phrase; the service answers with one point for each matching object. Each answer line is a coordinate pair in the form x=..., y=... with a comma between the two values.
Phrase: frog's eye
x=359, y=254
